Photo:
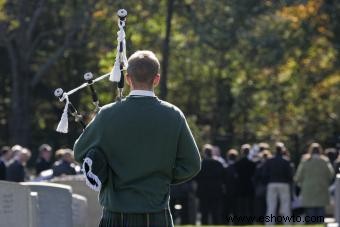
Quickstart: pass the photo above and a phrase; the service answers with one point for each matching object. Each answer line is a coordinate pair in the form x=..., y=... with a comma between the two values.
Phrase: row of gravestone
x=43, y=204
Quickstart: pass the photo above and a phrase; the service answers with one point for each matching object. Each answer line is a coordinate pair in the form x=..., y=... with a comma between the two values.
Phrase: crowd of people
x=244, y=184
x=257, y=186
x=49, y=164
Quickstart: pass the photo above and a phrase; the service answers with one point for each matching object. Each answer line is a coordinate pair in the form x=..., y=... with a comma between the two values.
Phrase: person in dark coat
x=245, y=169
x=44, y=161
x=260, y=183
x=2, y=170
x=279, y=176
x=16, y=171
x=65, y=166
x=230, y=185
x=181, y=202
x=209, y=187
x=5, y=156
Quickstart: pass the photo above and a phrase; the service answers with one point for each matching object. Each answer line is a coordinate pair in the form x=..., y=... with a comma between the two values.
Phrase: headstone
x=15, y=205
x=337, y=199
x=77, y=182
x=79, y=211
x=55, y=203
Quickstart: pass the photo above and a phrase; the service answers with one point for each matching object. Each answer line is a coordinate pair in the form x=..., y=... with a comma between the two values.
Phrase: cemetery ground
x=249, y=225
x=61, y=202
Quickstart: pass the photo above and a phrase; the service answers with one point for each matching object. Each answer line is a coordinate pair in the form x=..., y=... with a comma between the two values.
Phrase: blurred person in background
x=260, y=183
x=314, y=175
x=182, y=202
x=5, y=157
x=257, y=151
x=245, y=169
x=58, y=155
x=279, y=176
x=334, y=158
x=44, y=160
x=332, y=154
x=65, y=165
x=15, y=150
x=216, y=154
x=7, y=154
x=16, y=171
x=231, y=156
x=209, y=187
x=230, y=185
x=263, y=147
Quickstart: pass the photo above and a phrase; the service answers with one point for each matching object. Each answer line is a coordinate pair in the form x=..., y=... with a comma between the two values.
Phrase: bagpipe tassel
x=115, y=73
x=63, y=123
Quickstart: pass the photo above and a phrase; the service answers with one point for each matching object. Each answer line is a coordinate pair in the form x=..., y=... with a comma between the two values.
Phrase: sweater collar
x=142, y=93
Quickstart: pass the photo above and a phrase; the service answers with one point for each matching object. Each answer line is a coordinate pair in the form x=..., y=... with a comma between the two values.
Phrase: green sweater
x=148, y=146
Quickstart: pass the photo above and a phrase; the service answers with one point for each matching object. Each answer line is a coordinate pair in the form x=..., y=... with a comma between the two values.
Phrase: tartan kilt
x=117, y=219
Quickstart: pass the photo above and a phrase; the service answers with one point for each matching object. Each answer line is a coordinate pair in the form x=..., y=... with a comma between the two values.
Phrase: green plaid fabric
x=116, y=219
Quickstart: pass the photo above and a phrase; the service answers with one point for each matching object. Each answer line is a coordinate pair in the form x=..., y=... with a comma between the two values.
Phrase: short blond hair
x=143, y=66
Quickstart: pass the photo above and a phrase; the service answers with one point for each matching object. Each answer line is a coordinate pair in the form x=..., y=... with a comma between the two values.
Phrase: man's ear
x=156, y=80
x=128, y=79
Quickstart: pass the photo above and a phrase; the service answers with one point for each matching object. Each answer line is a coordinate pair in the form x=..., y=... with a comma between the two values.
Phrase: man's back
x=42, y=165
x=144, y=140
x=245, y=170
x=15, y=172
x=231, y=180
x=278, y=170
x=210, y=179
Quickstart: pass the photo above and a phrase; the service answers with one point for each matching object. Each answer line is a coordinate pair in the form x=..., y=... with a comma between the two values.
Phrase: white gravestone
x=55, y=204
x=79, y=211
x=77, y=182
x=337, y=199
x=15, y=205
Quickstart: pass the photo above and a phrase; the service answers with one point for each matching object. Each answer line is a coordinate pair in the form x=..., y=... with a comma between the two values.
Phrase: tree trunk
x=166, y=52
x=19, y=116
x=20, y=112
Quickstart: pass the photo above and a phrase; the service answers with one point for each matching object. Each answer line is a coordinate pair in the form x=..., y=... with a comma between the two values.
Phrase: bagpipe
x=116, y=76
x=95, y=166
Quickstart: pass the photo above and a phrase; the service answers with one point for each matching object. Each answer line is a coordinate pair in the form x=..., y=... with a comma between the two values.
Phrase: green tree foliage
x=243, y=71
